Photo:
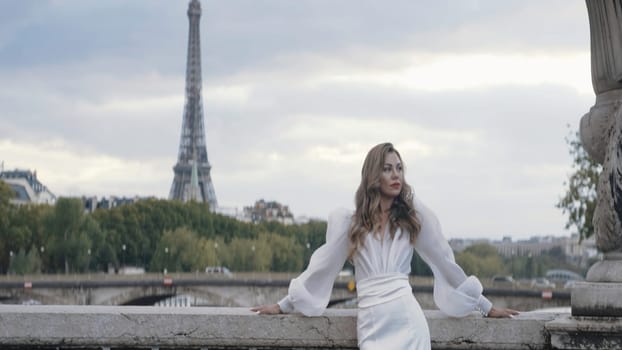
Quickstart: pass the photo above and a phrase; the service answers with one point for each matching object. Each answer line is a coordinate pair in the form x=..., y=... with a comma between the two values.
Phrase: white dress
x=389, y=316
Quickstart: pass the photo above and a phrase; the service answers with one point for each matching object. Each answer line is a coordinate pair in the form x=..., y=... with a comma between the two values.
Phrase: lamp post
x=512, y=261
x=166, y=260
x=10, y=262
x=216, y=252
x=42, y=250
x=254, y=264
x=88, y=262
x=123, y=256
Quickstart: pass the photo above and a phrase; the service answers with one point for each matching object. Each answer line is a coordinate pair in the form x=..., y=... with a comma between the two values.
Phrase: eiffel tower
x=192, y=181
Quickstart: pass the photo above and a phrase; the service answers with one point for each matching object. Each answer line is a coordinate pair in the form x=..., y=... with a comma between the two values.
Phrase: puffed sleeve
x=455, y=294
x=310, y=292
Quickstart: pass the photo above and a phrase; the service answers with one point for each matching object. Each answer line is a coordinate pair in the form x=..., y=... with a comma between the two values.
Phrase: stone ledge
x=596, y=299
x=129, y=326
x=585, y=332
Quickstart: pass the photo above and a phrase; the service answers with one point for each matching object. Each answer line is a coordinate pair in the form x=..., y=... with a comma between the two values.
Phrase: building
x=576, y=252
x=263, y=211
x=92, y=203
x=460, y=244
x=27, y=187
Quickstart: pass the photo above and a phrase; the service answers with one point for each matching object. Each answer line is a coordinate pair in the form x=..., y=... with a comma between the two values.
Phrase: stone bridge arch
x=212, y=295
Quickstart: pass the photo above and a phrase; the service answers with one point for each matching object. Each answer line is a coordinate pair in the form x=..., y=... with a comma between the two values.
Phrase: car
x=570, y=284
x=503, y=281
x=218, y=270
x=542, y=283
x=562, y=276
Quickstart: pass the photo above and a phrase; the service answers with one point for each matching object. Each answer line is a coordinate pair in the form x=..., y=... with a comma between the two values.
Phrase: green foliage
x=481, y=260
x=100, y=253
x=286, y=253
x=21, y=226
x=185, y=237
x=22, y=263
x=248, y=254
x=67, y=242
x=182, y=250
x=536, y=266
x=418, y=267
x=579, y=201
x=194, y=237
x=6, y=193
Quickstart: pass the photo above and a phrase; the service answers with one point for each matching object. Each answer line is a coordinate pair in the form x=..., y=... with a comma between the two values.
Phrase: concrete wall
x=194, y=328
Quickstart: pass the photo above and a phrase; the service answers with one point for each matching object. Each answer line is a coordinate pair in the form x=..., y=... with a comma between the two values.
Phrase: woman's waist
x=378, y=289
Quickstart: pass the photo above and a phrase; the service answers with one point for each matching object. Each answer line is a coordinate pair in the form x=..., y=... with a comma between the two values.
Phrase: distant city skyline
x=476, y=95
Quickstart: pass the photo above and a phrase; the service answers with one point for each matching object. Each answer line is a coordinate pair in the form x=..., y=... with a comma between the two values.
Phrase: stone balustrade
x=119, y=327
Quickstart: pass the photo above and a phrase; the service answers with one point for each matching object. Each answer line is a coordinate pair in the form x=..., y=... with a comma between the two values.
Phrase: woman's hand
x=502, y=313
x=267, y=309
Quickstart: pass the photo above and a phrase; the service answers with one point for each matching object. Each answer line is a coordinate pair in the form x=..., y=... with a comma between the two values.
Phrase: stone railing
x=118, y=327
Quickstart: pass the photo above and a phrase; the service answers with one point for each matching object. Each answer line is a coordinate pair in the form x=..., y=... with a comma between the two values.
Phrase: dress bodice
x=381, y=255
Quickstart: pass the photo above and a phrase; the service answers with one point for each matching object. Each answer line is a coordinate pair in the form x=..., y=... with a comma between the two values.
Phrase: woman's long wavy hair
x=368, y=215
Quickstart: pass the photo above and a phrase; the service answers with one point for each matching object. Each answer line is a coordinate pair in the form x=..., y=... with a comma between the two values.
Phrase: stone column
x=597, y=303
x=601, y=135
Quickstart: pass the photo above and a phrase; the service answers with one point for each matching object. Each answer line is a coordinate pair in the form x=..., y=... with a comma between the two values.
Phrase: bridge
x=242, y=291
x=108, y=325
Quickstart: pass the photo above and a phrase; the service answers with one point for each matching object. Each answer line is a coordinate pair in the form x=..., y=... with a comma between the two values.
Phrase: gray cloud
x=256, y=31
x=106, y=78
x=240, y=34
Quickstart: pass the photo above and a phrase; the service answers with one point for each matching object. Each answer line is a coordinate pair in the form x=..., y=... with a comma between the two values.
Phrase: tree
x=287, y=255
x=22, y=263
x=182, y=250
x=579, y=200
x=481, y=260
x=418, y=267
x=68, y=242
x=157, y=234
x=6, y=193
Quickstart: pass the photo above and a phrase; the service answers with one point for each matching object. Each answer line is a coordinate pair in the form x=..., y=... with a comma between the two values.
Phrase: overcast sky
x=476, y=95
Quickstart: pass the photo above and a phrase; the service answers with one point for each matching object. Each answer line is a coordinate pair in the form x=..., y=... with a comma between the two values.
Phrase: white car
x=542, y=283
x=218, y=270
x=569, y=284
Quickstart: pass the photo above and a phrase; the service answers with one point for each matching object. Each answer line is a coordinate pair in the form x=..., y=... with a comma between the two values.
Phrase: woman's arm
x=310, y=292
x=502, y=313
x=454, y=293
x=267, y=309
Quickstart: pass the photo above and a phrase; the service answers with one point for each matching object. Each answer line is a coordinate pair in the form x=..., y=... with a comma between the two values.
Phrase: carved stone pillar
x=601, y=135
x=597, y=303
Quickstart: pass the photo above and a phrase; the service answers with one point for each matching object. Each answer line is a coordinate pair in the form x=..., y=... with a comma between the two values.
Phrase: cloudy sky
x=476, y=95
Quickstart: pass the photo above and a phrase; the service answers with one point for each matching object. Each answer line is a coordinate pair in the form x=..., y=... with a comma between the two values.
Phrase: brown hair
x=367, y=217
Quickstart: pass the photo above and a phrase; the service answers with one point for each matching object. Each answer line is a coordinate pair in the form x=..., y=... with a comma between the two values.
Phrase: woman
x=379, y=239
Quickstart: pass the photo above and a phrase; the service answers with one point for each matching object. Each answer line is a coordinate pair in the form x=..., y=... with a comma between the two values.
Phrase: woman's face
x=392, y=176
